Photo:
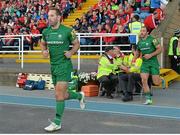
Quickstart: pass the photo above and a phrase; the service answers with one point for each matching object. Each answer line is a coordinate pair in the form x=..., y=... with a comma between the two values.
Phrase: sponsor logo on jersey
x=146, y=48
x=55, y=42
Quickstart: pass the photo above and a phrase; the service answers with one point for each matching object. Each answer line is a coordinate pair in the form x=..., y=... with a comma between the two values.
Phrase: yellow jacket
x=105, y=66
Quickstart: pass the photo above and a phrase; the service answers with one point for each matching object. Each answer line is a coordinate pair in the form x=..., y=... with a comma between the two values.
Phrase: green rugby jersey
x=148, y=46
x=58, y=41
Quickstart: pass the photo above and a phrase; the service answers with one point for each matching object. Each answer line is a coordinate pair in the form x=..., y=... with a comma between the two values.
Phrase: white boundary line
x=93, y=110
x=110, y=102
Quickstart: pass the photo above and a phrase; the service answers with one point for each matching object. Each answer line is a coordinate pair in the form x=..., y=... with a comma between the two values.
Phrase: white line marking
x=93, y=110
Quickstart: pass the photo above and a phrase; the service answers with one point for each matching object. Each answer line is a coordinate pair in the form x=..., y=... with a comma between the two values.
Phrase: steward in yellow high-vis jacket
x=174, y=52
x=106, y=70
x=132, y=79
x=118, y=60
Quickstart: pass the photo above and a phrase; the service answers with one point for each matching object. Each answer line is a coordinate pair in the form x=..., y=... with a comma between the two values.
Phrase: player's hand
x=147, y=56
x=45, y=53
x=68, y=54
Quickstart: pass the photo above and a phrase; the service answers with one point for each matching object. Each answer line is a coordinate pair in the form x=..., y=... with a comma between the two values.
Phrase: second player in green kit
x=149, y=48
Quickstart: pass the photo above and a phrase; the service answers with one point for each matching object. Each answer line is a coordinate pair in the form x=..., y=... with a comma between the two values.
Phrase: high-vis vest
x=134, y=65
x=105, y=67
x=125, y=60
x=135, y=27
x=171, y=47
x=117, y=62
x=130, y=59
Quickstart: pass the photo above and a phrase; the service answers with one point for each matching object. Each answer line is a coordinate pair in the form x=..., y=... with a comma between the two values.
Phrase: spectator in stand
x=116, y=25
x=89, y=13
x=124, y=17
x=42, y=23
x=27, y=41
x=26, y=21
x=160, y=13
x=109, y=10
x=128, y=10
x=108, y=22
x=137, y=4
x=35, y=39
x=122, y=39
x=90, y=40
x=9, y=41
x=101, y=3
x=108, y=40
x=6, y=17
x=93, y=18
x=114, y=7
x=101, y=15
x=35, y=16
x=112, y=19
x=11, y=23
x=143, y=12
x=77, y=26
x=100, y=29
x=84, y=25
x=132, y=3
x=2, y=31
x=21, y=19
x=94, y=26
x=151, y=22
x=154, y=4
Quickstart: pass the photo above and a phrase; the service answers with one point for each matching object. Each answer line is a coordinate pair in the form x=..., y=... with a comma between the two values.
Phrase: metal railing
x=21, y=50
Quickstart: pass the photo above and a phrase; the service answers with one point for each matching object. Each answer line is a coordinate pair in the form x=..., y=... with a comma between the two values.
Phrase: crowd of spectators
x=29, y=17
x=114, y=16
x=107, y=16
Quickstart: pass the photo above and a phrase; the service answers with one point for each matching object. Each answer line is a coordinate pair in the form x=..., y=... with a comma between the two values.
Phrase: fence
x=21, y=50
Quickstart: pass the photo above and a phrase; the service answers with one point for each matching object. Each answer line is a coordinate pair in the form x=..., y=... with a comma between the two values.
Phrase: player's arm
x=74, y=49
x=156, y=52
x=158, y=48
x=75, y=45
x=43, y=46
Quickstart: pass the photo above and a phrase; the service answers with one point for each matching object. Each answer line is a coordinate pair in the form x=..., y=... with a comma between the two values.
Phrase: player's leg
x=60, y=89
x=144, y=77
x=145, y=70
x=76, y=95
x=66, y=76
x=157, y=80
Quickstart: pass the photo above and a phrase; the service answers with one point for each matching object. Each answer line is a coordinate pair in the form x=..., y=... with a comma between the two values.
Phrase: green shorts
x=150, y=68
x=61, y=73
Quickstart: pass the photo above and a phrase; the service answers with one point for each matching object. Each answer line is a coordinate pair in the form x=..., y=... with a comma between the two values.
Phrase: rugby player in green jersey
x=149, y=47
x=56, y=40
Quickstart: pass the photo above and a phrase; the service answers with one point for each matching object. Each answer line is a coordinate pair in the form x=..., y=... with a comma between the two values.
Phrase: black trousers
x=109, y=83
x=174, y=63
x=131, y=81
